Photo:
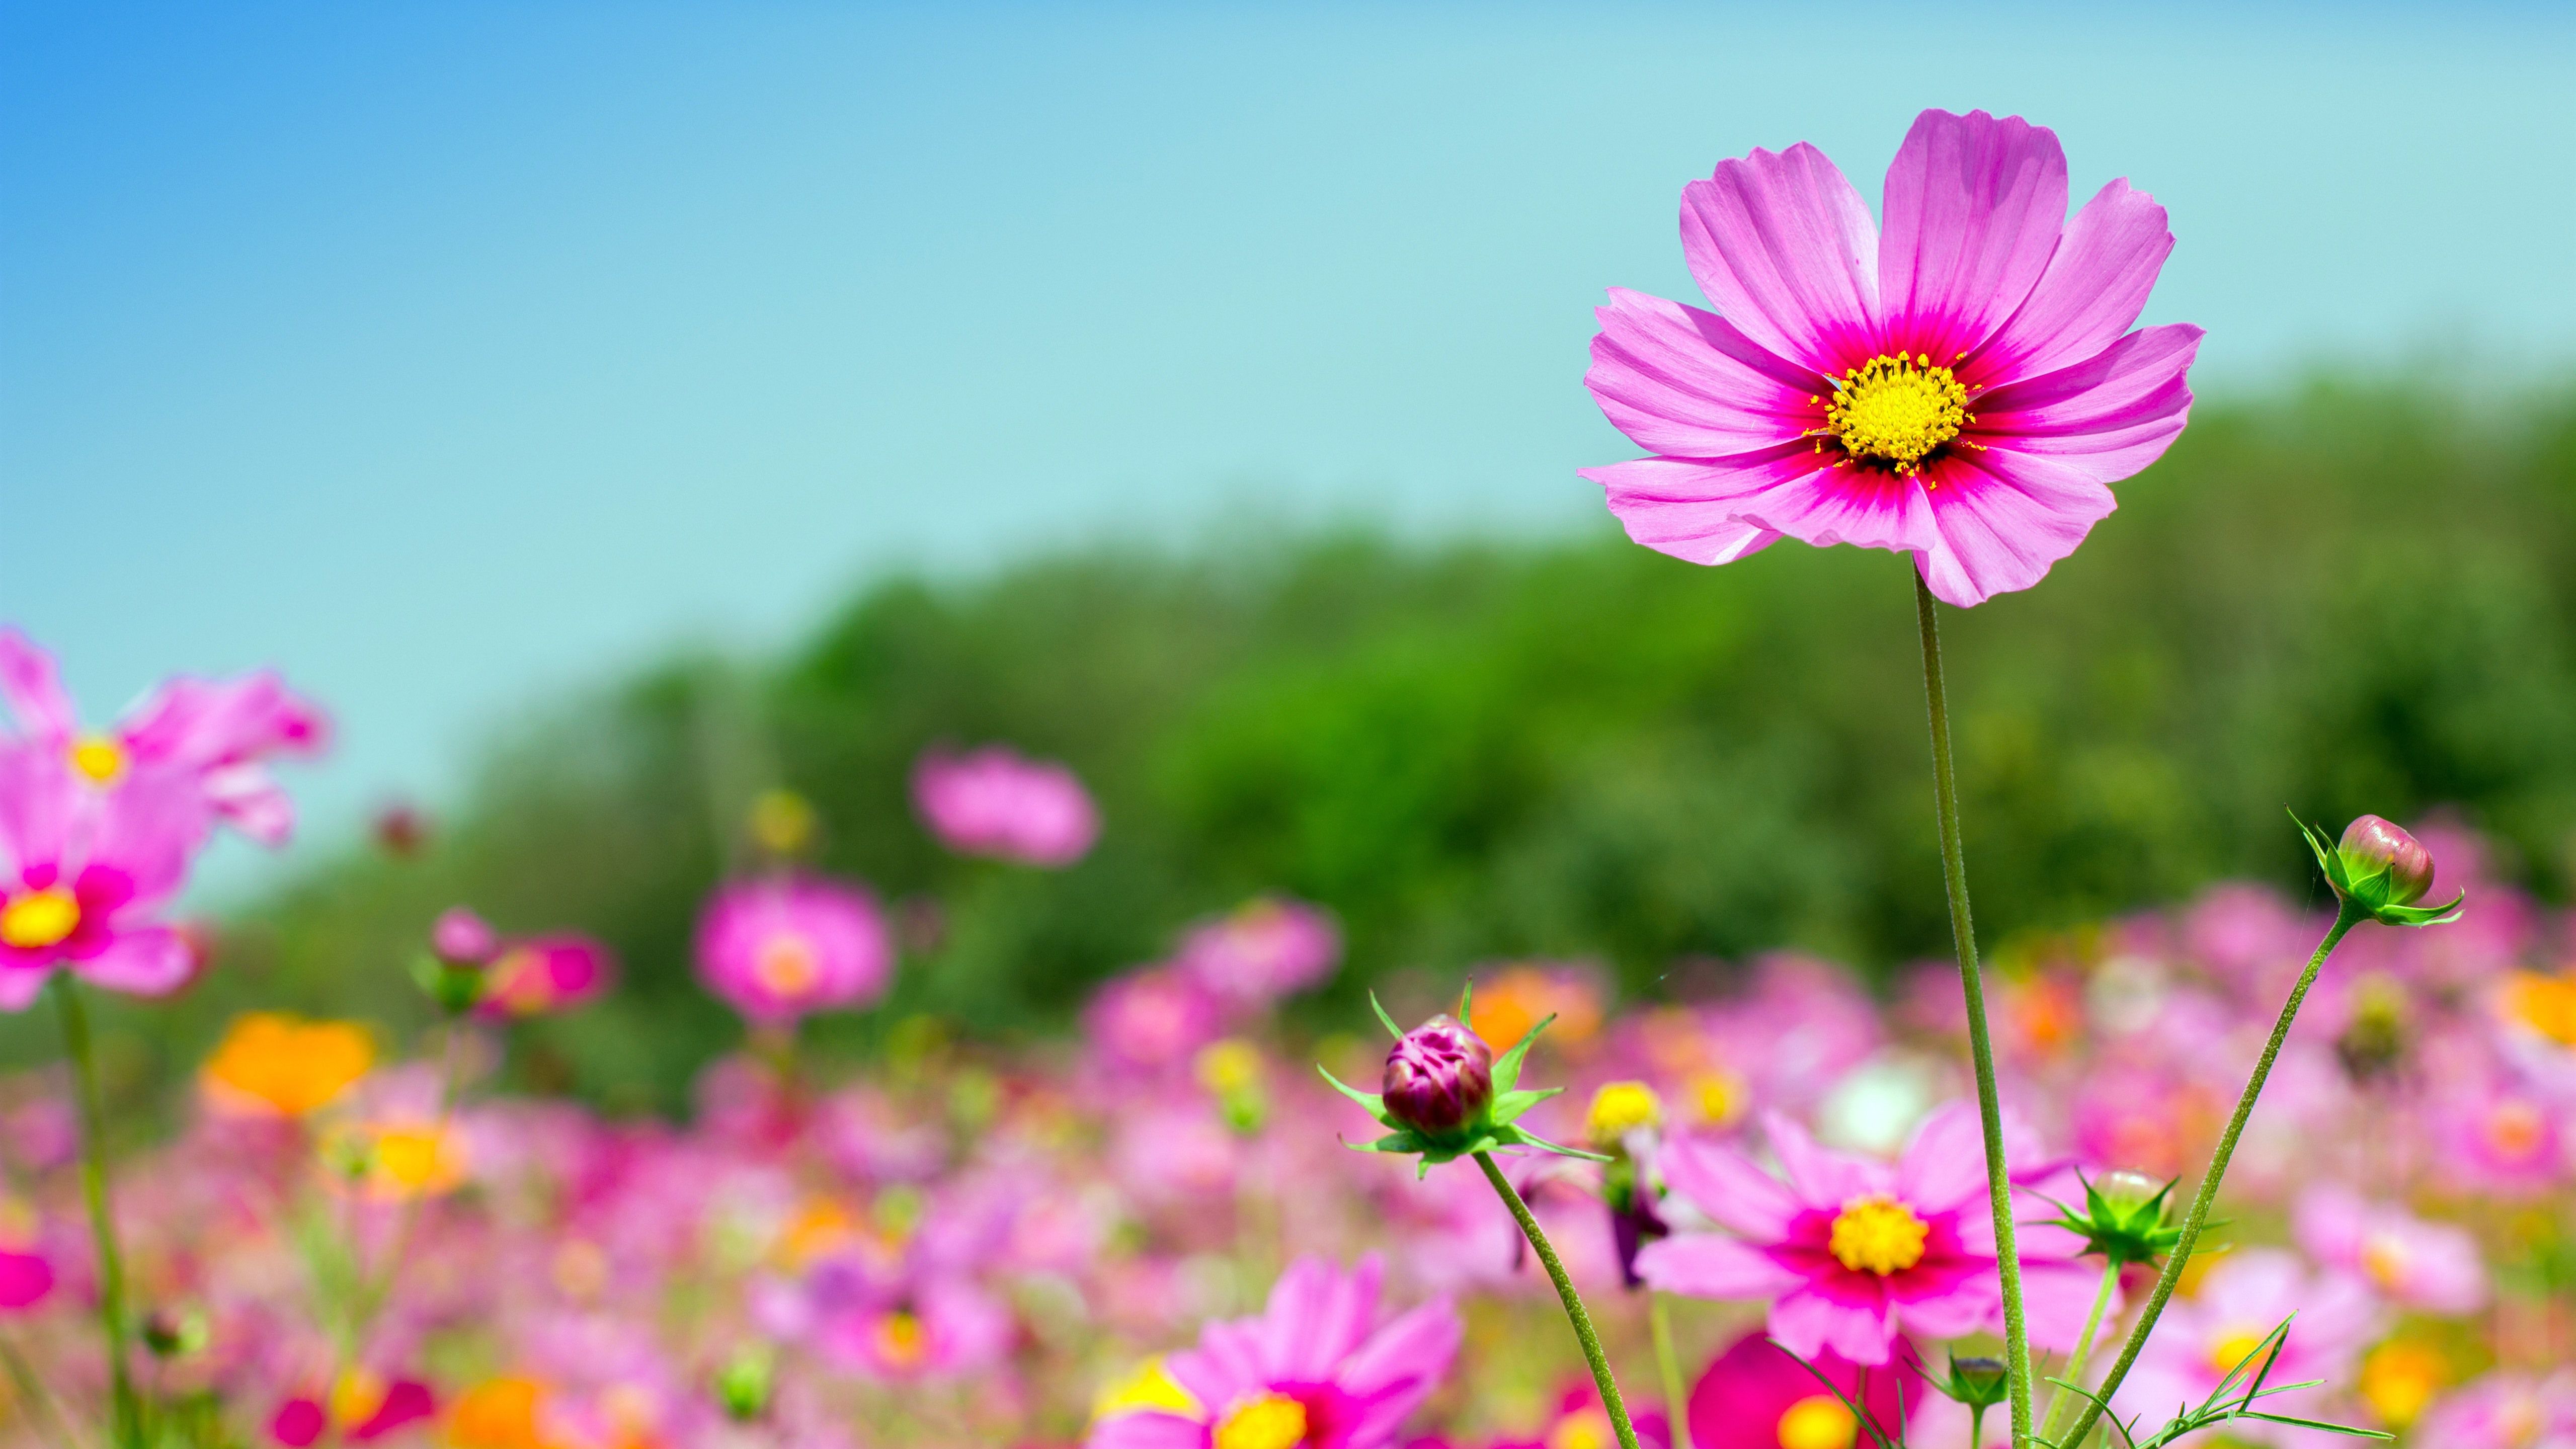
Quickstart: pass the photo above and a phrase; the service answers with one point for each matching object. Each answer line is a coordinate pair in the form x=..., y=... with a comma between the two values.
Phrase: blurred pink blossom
x=83, y=882
x=994, y=802
x=543, y=975
x=2246, y=1295
x=2433, y=1267
x=780, y=947
x=1268, y=948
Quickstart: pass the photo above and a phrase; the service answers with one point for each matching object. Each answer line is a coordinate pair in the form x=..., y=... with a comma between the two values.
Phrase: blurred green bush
x=2357, y=597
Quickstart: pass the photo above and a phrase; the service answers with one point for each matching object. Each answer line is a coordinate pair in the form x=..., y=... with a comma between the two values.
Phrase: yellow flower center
x=1229, y=1067
x=1875, y=1233
x=100, y=758
x=2515, y=1129
x=2233, y=1349
x=2384, y=1259
x=1272, y=1421
x=39, y=919
x=415, y=1160
x=1150, y=1388
x=787, y=965
x=1896, y=410
x=901, y=1338
x=1818, y=1421
x=1588, y=1429
x=2400, y=1378
x=1720, y=1096
x=1620, y=1108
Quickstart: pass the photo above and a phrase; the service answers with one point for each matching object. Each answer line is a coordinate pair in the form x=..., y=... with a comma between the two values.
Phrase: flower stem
x=1963, y=934
x=1659, y=1318
x=1582, y=1321
x=2058, y=1402
x=102, y=1218
x=2346, y=917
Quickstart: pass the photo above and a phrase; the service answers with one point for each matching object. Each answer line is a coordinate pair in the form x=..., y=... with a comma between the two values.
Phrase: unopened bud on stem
x=1439, y=1078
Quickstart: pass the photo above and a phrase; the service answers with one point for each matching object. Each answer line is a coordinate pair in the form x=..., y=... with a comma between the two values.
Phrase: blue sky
x=453, y=356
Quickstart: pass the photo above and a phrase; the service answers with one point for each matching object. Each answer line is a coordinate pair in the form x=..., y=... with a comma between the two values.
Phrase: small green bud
x=743, y=1385
x=2123, y=1218
x=1980, y=1383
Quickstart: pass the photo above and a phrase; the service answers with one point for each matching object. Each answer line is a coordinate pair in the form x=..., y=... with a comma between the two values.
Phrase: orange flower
x=2546, y=1004
x=273, y=1063
x=1523, y=996
x=498, y=1413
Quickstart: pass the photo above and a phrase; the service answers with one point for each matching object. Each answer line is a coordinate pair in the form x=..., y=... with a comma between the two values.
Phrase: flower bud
x=1439, y=1078
x=743, y=1385
x=2370, y=845
x=2126, y=1190
x=1979, y=1383
x=460, y=938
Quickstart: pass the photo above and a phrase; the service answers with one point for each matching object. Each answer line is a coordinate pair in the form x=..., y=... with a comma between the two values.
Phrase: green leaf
x=1397, y=1031
x=1523, y=1137
x=1467, y=999
x=1507, y=1071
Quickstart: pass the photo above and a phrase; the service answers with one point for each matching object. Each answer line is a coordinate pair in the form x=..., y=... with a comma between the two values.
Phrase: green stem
x=102, y=1218
x=1659, y=1319
x=2346, y=917
x=378, y=1283
x=2059, y=1402
x=1582, y=1321
x=1963, y=934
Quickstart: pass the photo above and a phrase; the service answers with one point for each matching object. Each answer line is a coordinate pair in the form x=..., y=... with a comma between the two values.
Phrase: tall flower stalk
x=127, y=1410
x=1981, y=1047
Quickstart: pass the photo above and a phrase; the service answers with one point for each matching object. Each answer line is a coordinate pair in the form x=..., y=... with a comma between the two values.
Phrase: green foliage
x=2353, y=599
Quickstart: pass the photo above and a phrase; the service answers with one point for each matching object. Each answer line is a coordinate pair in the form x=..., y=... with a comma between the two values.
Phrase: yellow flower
x=270, y=1062
x=1618, y=1109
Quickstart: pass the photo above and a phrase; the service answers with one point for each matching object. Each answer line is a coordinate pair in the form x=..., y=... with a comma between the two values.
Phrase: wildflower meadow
x=2283, y=1161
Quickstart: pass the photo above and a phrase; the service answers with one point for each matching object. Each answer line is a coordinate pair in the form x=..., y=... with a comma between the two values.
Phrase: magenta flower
x=778, y=948
x=2505, y=1410
x=993, y=802
x=1962, y=385
x=544, y=975
x=84, y=877
x=2434, y=1267
x=217, y=732
x=1266, y=949
x=1307, y=1374
x=26, y=1279
x=2248, y=1294
x=1755, y=1396
x=1854, y=1252
x=1151, y=1020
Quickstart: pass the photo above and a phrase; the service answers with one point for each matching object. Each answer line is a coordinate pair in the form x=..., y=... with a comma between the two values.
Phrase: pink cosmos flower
x=993, y=802
x=544, y=975
x=1962, y=385
x=217, y=732
x=1307, y=1374
x=2247, y=1295
x=1151, y=1021
x=26, y=1279
x=2434, y=1267
x=1755, y=1396
x=1854, y=1252
x=84, y=877
x=780, y=947
x=2505, y=1410
x=1579, y=1420
x=1266, y=949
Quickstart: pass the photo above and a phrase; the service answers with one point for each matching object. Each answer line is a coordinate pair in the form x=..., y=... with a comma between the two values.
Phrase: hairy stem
x=102, y=1217
x=1582, y=1321
x=2063, y=1399
x=2346, y=917
x=1659, y=1319
x=1963, y=934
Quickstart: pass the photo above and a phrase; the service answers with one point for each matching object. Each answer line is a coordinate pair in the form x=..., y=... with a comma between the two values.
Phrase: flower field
x=2247, y=1168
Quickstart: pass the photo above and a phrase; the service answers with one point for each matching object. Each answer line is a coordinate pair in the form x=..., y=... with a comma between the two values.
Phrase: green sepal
x=2370, y=893
x=2423, y=915
x=1508, y=1106
x=1509, y=1136
x=1374, y=1101
x=1507, y=1067
x=1374, y=1005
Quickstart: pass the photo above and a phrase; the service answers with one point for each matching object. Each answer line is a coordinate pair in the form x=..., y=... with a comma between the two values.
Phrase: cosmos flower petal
x=1974, y=209
x=1955, y=1312
x=2093, y=290
x=1147, y=1429
x=1399, y=1367
x=1317, y=1315
x=2002, y=519
x=33, y=690
x=1724, y=1184
x=1709, y=1265
x=204, y=723
x=1690, y=384
x=1225, y=1366
x=1690, y=508
x=36, y=808
x=2056, y=1299
x=23, y=975
x=1784, y=246
x=1944, y=1167
x=153, y=961
x=2110, y=415
x=1809, y=1322
x=251, y=802
x=1820, y=1178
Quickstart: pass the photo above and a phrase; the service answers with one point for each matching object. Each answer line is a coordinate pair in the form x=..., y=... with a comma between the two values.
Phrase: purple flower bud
x=2370, y=843
x=461, y=939
x=1439, y=1078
